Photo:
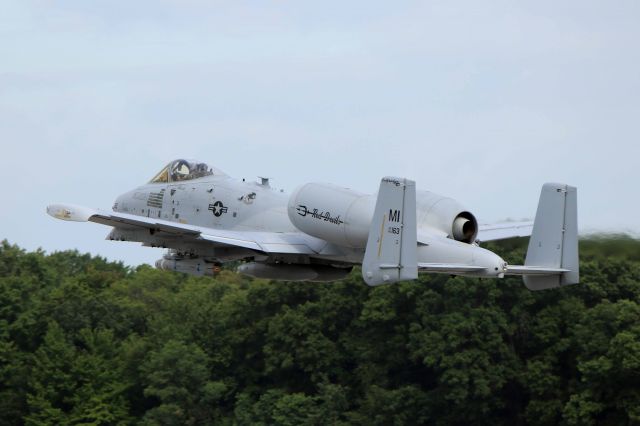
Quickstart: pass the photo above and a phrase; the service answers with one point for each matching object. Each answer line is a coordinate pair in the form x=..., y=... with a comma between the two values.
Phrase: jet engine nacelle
x=342, y=216
x=446, y=215
x=335, y=214
x=293, y=272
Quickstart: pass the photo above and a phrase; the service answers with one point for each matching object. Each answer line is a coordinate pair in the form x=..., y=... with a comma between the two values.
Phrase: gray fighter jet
x=319, y=232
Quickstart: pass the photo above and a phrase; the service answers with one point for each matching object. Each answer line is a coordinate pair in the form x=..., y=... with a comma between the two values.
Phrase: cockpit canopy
x=182, y=170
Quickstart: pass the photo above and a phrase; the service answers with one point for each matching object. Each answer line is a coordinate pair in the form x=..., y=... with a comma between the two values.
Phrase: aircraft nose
x=120, y=202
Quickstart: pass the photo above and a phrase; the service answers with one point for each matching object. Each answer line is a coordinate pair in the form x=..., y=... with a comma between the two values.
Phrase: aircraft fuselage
x=320, y=231
x=224, y=203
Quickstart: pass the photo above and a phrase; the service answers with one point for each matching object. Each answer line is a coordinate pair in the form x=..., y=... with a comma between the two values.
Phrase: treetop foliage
x=87, y=341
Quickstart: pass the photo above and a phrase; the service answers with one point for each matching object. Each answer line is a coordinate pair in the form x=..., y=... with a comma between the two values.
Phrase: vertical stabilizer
x=391, y=253
x=554, y=240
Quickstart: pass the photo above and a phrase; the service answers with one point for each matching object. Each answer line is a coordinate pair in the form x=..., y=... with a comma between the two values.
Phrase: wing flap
x=230, y=241
x=287, y=248
x=268, y=242
x=502, y=231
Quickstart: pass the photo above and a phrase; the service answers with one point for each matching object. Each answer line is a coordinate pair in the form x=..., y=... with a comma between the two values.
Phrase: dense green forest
x=86, y=341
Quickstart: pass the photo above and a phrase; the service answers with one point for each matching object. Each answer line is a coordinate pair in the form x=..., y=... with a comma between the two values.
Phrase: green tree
x=176, y=375
x=86, y=341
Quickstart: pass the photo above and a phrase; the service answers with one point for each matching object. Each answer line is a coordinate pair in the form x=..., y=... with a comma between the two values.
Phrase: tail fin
x=391, y=253
x=554, y=240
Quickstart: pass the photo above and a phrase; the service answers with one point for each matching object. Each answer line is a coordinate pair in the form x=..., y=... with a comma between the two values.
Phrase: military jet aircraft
x=319, y=232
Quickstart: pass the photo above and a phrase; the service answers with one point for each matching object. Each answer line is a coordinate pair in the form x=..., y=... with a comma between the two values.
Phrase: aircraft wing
x=502, y=231
x=267, y=242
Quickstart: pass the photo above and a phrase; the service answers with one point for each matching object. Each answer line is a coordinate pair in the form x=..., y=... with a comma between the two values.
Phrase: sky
x=479, y=101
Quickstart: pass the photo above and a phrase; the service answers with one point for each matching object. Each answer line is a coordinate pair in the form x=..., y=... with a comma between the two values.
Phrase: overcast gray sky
x=481, y=101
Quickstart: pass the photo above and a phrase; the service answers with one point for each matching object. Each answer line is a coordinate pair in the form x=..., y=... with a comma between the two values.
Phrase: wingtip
x=70, y=212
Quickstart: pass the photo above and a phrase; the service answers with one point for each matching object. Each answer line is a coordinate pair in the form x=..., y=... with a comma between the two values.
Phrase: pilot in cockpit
x=182, y=170
x=201, y=169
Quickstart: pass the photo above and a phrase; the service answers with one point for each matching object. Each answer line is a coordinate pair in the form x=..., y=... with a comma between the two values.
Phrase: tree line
x=87, y=341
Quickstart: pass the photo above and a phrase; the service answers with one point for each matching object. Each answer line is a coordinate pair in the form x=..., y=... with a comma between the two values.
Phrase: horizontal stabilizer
x=448, y=268
x=533, y=270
